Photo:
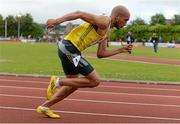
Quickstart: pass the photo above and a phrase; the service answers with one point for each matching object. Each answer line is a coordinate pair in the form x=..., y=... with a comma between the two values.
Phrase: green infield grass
x=42, y=58
x=163, y=53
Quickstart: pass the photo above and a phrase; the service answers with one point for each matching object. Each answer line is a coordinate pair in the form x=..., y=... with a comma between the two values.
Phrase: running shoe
x=51, y=87
x=47, y=112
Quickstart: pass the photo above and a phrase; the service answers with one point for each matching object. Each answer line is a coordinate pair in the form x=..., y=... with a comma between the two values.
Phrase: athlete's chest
x=101, y=32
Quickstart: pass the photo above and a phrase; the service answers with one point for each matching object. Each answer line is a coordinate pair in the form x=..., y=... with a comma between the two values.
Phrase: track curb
x=106, y=80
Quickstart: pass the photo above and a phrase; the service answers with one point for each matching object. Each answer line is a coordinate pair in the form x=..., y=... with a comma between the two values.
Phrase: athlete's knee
x=95, y=82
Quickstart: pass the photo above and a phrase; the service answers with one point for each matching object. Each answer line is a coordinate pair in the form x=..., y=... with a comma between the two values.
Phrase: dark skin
x=119, y=16
x=118, y=19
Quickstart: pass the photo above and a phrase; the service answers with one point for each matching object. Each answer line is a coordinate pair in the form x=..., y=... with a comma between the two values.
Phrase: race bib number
x=76, y=60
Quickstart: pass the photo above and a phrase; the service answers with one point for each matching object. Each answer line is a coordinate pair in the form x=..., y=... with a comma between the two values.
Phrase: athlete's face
x=121, y=21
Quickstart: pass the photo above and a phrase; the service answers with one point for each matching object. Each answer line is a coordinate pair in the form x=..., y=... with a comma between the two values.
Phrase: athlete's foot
x=47, y=112
x=52, y=87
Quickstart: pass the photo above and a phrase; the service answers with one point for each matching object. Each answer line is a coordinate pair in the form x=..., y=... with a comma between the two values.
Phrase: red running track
x=108, y=103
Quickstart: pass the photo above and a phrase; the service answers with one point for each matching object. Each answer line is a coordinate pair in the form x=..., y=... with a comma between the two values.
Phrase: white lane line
x=94, y=101
x=140, y=88
x=96, y=114
x=28, y=88
x=122, y=87
x=130, y=94
x=97, y=92
x=24, y=81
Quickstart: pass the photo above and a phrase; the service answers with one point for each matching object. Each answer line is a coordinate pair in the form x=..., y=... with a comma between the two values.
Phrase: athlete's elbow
x=100, y=55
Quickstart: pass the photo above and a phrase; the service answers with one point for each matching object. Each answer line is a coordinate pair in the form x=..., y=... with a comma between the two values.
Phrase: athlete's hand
x=51, y=23
x=127, y=48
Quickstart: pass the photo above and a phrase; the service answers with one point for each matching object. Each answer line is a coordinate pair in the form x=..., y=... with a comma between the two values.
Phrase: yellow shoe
x=51, y=87
x=47, y=112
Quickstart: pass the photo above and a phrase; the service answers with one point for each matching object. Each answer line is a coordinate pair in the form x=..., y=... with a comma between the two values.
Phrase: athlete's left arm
x=102, y=52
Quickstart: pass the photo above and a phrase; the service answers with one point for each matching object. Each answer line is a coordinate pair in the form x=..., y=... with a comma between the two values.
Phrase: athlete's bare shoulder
x=103, y=22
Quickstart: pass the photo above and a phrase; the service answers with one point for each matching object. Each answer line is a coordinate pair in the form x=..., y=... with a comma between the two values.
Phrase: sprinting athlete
x=93, y=30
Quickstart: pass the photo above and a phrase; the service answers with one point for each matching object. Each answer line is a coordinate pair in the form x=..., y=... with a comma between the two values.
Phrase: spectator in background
x=154, y=39
x=129, y=38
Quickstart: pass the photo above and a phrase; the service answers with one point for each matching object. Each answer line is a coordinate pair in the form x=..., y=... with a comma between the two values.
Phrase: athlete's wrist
x=57, y=22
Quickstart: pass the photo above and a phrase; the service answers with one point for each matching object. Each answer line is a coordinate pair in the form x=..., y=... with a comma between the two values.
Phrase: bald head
x=119, y=16
x=120, y=10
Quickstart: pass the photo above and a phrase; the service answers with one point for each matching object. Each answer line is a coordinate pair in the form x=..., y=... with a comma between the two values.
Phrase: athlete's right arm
x=102, y=52
x=99, y=21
